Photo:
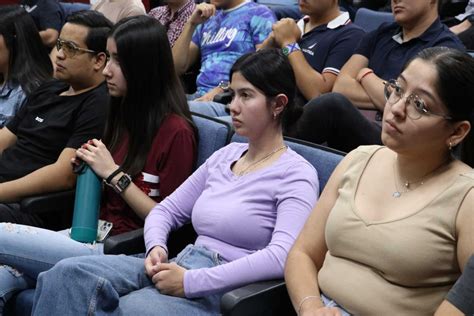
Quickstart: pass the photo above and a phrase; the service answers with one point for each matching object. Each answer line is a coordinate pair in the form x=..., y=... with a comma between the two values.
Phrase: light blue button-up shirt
x=11, y=99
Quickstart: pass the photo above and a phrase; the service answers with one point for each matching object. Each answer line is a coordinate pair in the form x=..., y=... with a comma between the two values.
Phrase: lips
x=236, y=122
x=59, y=67
x=397, y=9
x=392, y=126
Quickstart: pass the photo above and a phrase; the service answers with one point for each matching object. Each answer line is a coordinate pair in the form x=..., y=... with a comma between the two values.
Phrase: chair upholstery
x=370, y=20
x=213, y=135
x=56, y=208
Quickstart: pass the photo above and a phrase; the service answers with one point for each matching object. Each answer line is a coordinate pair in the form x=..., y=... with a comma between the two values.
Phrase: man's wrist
x=290, y=48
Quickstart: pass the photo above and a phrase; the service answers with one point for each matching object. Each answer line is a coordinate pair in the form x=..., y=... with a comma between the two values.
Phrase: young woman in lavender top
x=247, y=203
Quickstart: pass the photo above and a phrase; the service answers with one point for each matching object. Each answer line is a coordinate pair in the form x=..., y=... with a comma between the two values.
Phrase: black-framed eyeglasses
x=415, y=106
x=70, y=49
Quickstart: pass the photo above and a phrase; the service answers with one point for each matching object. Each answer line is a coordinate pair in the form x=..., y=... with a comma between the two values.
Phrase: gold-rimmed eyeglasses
x=70, y=49
x=415, y=106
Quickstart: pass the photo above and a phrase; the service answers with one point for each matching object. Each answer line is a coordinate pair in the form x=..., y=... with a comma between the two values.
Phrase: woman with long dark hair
x=24, y=61
x=394, y=226
x=152, y=145
x=247, y=203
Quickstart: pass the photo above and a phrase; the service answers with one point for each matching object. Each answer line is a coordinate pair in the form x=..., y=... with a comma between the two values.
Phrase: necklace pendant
x=396, y=194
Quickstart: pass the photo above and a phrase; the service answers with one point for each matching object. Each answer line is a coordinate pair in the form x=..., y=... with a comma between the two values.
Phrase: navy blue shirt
x=47, y=14
x=327, y=47
x=387, y=53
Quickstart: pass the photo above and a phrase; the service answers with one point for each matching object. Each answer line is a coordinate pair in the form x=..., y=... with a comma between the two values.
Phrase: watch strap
x=112, y=175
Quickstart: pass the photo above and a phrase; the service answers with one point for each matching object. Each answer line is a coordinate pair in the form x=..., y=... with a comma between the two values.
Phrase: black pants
x=332, y=119
x=11, y=213
x=467, y=38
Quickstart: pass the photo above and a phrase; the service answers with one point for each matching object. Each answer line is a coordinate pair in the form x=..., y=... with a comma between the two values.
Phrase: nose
x=399, y=108
x=234, y=106
x=60, y=53
x=106, y=72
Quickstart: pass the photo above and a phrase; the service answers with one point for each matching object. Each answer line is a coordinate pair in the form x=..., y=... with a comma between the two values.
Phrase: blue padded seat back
x=213, y=135
x=323, y=159
x=370, y=20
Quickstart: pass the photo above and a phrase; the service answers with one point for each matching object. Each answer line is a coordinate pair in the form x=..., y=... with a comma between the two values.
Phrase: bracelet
x=112, y=175
x=304, y=300
x=365, y=75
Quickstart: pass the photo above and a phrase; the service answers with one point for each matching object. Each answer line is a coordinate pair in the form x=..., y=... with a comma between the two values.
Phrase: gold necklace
x=241, y=173
x=407, y=184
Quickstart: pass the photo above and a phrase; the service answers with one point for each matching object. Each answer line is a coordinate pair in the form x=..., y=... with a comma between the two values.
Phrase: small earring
x=450, y=146
x=274, y=116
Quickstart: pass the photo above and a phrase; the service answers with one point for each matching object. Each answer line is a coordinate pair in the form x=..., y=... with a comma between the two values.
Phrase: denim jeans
x=331, y=303
x=26, y=251
x=118, y=285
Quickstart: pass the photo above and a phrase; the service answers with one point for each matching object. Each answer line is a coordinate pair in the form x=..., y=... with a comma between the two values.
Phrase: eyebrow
x=422, y=91
x=244, y=89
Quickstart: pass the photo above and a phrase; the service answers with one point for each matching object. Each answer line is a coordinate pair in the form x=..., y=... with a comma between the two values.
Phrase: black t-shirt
x=47, y=123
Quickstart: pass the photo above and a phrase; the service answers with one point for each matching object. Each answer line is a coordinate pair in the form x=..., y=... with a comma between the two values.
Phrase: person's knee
x=326, y=105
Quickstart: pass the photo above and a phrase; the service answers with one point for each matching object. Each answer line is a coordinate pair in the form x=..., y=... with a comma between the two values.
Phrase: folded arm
x=362, y=87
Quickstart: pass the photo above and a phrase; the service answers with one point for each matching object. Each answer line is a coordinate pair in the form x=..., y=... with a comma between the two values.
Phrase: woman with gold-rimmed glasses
x=393, y=228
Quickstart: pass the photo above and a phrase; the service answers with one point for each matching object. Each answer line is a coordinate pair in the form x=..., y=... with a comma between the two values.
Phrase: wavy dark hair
x=270, y=71
x=29, y=64
x=153, y=89
x=455, y=87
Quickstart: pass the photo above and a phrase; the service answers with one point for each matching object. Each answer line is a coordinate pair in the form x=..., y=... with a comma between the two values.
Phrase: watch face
x=123, y=182
x=224, y=85
x=285, y=51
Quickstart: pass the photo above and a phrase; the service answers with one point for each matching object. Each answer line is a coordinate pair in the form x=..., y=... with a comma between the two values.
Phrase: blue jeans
x=212, y=109
x=26, y=251
x=118, y=285
x=331, y=303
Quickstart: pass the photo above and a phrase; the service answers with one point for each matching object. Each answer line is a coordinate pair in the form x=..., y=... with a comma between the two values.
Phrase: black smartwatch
x=122, y=183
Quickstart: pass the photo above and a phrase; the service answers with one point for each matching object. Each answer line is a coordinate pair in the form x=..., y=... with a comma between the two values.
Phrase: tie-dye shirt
x=225, y=37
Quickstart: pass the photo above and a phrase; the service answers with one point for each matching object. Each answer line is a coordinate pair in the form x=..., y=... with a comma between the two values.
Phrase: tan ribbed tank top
x=400, y=267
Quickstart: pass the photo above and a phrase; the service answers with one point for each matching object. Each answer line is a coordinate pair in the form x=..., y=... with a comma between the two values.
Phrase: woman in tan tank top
x=395, y=224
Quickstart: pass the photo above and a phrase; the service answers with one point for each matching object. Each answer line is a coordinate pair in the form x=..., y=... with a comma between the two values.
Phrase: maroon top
x=169, y=162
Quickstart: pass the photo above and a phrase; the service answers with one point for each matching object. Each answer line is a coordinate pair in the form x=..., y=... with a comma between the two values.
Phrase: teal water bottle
x=86, y=204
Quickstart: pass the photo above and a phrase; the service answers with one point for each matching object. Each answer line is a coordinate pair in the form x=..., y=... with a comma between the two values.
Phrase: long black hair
x=455, y=87
x=153, y=89
x=29, y=64
x=270, y=71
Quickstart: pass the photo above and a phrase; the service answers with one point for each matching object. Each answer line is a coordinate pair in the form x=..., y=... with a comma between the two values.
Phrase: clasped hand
x=286, y=32
x=97, y=156
x=202, y=13
x=168, y=278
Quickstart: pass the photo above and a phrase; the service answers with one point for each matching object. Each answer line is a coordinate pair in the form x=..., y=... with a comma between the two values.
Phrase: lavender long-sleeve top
x=251, y=220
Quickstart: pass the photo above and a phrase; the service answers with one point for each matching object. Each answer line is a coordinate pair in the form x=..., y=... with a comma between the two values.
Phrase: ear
x=280, y=101
x=100, y=61
x=461, y=129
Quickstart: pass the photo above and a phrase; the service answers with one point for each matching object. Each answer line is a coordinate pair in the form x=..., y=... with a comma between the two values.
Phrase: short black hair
x=99, y=28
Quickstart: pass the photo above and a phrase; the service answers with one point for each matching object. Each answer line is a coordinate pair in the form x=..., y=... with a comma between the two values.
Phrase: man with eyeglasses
x=38, y=143
x=334, y=118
